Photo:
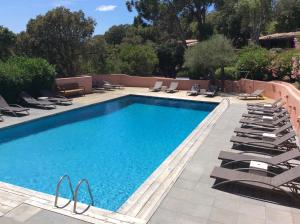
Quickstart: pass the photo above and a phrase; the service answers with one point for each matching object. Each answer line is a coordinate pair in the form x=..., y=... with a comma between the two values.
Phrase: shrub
x=254, y=59
x=137, y=59
x=230, y=73
x=209, y=55
x=281, y=65
x=21, y=73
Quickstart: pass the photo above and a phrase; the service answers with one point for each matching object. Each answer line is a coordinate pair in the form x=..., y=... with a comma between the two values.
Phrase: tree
x=137, y=59
x=7, y=41
x=228, y=21
x=167, y=15
x=255, y=15
x=287, y=15
x=59, y=37
x=170, y=55
x=94, y=57
x=207, y=56
x=115, y=34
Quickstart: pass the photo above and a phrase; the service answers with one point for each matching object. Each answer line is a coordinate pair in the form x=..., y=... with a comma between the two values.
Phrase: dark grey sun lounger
x=1, y=118
x=265, y=123
x=282, y=158
x=172, y=88
x=44, y=104
x=13, y=109
x=285, y=178
x=266, y=105
x=275, y=115
x=212, y=91
x=157, y=86
x=282, y=143
x=264, y=110
x=254, y=131
x=257, y=94
x=195, y=90
x=60, y=100
x=113, y=86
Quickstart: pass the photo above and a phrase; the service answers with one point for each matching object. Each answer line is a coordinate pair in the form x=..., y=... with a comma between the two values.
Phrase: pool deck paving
x=190, y=200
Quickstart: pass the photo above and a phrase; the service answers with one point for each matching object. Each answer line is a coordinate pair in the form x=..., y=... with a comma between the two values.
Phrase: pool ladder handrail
x=58, y=189
x=74, y=194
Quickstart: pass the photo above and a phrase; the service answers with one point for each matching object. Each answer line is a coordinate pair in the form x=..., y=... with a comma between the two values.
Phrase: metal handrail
x=58, y=188
x=76, y=196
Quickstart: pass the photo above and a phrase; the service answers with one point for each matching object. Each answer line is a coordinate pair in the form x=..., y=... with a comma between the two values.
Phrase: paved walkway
x=193, y=201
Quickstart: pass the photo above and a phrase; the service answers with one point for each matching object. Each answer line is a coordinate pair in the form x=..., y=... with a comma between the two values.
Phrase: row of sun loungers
x=158, y=86
x=195, y=90
x=270, y=143
x=101, y=86
x=48, y=101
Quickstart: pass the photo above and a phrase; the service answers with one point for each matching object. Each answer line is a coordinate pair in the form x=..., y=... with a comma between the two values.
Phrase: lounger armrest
x=265, y=171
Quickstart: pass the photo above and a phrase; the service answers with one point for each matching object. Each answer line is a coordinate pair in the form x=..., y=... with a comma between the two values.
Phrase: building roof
x=280, y=36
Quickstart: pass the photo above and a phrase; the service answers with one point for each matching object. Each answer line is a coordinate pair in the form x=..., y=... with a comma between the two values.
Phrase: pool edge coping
x=150, y=193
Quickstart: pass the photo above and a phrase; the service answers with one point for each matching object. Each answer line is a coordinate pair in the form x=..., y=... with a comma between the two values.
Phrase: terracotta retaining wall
x=84, y=81
x=146, y=82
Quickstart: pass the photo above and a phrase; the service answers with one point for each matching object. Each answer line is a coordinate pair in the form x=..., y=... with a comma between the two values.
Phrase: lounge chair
x=257, y=94
x=13, y=109
x=260, y=131
x=266, y=105
x=212, y=91
x=1, y=118
x=157, y=86
x=274, y=116
x=284, y=179
x=265, y=121
x=283, y=143
x=231, y=158
x=113, y=86
x=69, y=89
x=44, y=104
x=57, y=99
x=172, y=88
x=264, y=110
x=195, y=90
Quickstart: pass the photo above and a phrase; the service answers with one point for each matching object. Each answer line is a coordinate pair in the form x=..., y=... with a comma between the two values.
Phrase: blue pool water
x=116, y=145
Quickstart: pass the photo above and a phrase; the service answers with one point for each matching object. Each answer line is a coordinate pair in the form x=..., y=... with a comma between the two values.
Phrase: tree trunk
x=222, y=78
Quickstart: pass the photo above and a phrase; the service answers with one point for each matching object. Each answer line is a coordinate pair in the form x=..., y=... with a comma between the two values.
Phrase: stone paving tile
x=47, y=217
x=223, y=216
x=191, y=196
x=22, y=213
x=278, y=216
x=185, y=184
x=250, y=219
x=250, y=209
x=186, y=208
x=166, y=216
x=227, y=203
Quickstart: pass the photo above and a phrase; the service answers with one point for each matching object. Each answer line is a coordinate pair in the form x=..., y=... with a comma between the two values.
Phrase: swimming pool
x=116, y=145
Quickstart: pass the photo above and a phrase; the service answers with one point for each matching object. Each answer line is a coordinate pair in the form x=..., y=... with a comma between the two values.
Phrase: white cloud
x=105, y=8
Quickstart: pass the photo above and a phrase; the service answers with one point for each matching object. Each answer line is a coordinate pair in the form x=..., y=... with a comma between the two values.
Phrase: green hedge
x=21, y=73
x=256, y=60
x=230, y=73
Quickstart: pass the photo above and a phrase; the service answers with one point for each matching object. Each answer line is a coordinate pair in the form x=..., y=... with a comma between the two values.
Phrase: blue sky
x=15, y=14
